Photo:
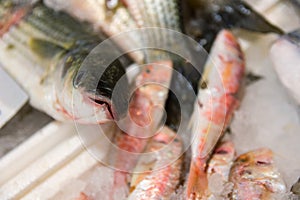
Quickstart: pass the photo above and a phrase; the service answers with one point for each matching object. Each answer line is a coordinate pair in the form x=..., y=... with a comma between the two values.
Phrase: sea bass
x=43, y=50
x=216, y=102
x=255, y=176
x=285, y=54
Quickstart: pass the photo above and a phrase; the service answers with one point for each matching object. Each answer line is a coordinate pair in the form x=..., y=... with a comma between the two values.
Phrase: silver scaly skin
x=43, y=50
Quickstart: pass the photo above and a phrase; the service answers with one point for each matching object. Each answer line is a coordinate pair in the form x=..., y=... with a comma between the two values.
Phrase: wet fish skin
x=255, y=176
x=221, y=160
x=162, y=172
x=144, y=121
x=214, y=107
x=56, y=45
x=223, y=14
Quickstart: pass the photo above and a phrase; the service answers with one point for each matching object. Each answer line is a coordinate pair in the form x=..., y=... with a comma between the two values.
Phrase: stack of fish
x=65, y=81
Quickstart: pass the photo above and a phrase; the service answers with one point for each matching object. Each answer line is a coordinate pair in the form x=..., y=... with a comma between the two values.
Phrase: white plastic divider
x=33, y=148
x=97, y=145
x=54, y=184
x=42, y=168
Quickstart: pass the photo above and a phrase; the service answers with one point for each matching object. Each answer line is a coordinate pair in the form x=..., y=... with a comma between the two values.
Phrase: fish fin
x=43, y=48
x=197, y=185
x=243, y=16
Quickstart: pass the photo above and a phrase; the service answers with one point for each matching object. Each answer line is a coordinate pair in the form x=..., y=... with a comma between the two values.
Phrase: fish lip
x=103, y=101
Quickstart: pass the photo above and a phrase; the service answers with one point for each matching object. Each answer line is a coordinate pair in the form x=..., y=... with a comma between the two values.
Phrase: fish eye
x=203, y=85
x=222, y=152
x=243, y=159
x=259, y=162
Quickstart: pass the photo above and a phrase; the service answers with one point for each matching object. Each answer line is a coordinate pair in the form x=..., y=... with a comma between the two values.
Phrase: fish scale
x=19, y=43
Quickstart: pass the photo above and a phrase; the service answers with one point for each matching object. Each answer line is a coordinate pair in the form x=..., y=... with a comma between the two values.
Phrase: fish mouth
x=106, y=104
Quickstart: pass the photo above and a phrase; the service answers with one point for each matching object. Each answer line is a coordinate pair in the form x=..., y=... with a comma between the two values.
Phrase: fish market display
x=255, y=176
x=56, y=59
x=285, y=54
x=43, y=50
x=216, y=102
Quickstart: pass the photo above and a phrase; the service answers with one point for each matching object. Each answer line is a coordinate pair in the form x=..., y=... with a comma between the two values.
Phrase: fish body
x=43, y=50
x=255, y=176
x=216, y=102
x=111, y=17
x=145, y=116
x=285, y=55
x=160, y=167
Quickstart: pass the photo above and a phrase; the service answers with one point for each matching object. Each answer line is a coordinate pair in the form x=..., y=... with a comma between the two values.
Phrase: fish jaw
x=215, y=105
x=106, y=86
x=285, y=55
x=255, y=176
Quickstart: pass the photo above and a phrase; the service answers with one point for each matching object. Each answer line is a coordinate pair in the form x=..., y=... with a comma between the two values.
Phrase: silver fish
x=43, y=50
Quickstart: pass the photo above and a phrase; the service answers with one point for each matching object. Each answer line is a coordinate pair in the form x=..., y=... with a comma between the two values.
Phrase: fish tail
x=249, y=19
x=197, y=184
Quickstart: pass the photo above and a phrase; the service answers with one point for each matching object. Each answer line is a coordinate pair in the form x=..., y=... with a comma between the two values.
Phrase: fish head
x=255, y=164
x=224, y=153
x=93, y=86
x=256, y=169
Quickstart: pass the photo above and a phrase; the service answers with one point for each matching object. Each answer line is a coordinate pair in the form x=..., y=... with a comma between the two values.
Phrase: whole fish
x=145, y=116
x=285, y=55
x=216, y=102
x=44, y=49
x=161, y=167
x=255, y=176
x=222, y=14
